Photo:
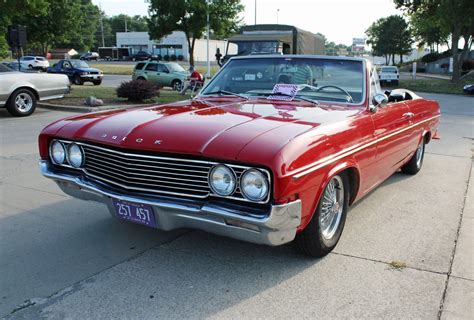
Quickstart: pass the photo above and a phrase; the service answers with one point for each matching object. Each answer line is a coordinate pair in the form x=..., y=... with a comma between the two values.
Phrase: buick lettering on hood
x=274, y=149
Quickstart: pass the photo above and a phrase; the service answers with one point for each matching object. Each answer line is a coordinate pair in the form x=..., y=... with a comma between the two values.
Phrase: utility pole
x=278, y=13
x=255, y=12
x=208, y=74
x=101, y=25
x=125, y=24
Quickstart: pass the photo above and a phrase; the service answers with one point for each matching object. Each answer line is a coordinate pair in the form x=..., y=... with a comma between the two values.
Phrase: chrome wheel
x=419, y=154
x=332, y=206
x=24, y=102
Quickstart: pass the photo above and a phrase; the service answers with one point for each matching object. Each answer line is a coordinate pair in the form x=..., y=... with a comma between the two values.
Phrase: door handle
x=408, y=115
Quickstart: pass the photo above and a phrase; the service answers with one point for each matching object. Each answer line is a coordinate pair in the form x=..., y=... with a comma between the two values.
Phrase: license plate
x=135, y=212
x=388, y=80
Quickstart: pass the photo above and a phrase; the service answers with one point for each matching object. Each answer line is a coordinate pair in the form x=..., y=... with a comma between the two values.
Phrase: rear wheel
x=22, y=103
x=141, y=79
x=416, y=161
x=325, y=228
x=78, y=80
x=177, y=85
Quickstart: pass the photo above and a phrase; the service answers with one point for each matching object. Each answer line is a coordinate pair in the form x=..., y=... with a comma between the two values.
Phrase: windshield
x=317, y=79
x=389, y=70
x=252, y=47
x=79, y=64
x=174, y=67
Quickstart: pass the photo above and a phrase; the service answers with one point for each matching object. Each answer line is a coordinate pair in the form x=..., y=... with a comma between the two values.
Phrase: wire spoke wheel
x=332, y=207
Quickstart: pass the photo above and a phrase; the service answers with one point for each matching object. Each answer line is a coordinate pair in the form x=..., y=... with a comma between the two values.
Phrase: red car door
x=391, y=122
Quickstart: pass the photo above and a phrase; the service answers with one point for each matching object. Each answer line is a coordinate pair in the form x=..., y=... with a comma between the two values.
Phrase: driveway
x=406, y=251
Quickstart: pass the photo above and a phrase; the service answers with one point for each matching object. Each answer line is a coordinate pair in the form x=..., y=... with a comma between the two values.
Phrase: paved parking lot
x=65, y=258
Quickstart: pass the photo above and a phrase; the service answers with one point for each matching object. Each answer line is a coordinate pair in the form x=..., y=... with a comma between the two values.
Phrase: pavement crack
x=34, y=189
x=443, y=298
x=390, y=264
x=448, y=155
x=79, y=284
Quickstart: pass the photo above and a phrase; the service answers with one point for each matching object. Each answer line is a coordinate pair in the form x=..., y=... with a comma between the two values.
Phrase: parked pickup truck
x=389, y=75
x=78, y=71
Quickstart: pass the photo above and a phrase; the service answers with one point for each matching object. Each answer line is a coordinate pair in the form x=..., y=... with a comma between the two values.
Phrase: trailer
x=114, y=53
x=273, y=39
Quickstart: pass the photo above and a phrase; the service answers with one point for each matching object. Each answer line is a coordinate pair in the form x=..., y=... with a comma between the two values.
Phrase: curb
x=86, y=109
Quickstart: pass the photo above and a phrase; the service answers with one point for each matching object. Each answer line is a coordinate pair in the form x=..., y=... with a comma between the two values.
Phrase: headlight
x=254, y=185
x=58, y=153
x=75, y=155
x=222, y=180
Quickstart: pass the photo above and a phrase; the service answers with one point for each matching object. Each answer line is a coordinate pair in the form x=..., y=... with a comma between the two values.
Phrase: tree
x=10, y=9
x=455, y=17
x=118, y=23
x=427, y=30
x=189, y=16
x=64, y=23
x=390, y=36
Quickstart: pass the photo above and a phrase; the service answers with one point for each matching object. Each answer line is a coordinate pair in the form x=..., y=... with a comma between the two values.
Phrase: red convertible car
x=274, y=149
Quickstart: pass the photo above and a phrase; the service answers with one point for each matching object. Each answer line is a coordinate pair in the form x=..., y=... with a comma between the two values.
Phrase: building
x=174, y=44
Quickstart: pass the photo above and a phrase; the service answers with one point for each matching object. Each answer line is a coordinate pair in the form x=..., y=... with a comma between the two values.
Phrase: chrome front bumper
x=277, y=227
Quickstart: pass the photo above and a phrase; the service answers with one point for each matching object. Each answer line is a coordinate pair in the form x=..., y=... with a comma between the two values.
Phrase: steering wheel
x=347, y=94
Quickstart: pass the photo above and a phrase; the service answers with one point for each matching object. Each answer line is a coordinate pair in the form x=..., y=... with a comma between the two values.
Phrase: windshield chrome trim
x=316, y=57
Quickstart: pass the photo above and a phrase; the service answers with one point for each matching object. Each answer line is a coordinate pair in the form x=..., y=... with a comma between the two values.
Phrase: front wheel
x=97, y=82
x=22, y=103
x=325, y=228
x=78, y=80
x=416, y=161
x=177, y=85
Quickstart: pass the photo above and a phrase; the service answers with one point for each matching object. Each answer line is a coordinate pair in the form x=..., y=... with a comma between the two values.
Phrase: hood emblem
x=157, y=142
x=139, y=140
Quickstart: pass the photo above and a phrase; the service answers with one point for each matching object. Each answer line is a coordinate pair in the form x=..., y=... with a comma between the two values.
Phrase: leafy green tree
x=118, y=23
x=455, y=17
x=10, y=9
x=390, y=36
x=427, y=30
x=189, y=16
x=63, y=23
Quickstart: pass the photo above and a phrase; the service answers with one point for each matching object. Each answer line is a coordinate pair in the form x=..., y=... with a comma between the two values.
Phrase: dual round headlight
x=71, y=154
x=253, y=183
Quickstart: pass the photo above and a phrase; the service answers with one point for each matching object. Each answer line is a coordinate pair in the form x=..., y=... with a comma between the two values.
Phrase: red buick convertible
x=274, y=149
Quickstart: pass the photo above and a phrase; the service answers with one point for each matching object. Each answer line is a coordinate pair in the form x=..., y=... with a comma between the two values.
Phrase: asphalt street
x=406, y=251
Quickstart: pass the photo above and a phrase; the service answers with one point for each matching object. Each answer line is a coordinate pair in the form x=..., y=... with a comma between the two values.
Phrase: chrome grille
x=147, y=173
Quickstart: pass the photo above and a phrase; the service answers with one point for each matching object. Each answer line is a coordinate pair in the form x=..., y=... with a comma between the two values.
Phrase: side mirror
x=378, y=100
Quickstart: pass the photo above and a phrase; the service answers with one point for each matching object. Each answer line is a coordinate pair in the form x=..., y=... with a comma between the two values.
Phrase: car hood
x=227, y=128
x=87, y=70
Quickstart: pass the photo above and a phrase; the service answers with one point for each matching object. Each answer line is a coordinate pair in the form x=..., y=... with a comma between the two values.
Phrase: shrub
x=138, y=90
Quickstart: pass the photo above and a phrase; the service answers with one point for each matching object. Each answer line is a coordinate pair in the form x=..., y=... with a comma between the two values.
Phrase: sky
x=338, y=20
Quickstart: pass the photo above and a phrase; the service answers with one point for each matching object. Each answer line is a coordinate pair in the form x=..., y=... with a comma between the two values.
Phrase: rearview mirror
x=378, y=100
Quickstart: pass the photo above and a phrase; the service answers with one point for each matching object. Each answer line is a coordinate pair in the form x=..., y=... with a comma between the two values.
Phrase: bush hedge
x=138, y=90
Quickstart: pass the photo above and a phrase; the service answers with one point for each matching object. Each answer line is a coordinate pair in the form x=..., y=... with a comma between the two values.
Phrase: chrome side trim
x=277, y=224
x=349, y=151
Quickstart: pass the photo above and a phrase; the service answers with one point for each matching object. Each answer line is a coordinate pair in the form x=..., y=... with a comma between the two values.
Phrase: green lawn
x=124, y=69
x=433, y=86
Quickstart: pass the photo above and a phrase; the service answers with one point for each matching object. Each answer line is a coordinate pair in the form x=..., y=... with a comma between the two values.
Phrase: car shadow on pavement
x=64, y=243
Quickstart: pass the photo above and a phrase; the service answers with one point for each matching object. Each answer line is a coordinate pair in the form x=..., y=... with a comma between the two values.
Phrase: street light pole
x=208, y=74
x=278, y=13
x=255, y=12
x=101, y=25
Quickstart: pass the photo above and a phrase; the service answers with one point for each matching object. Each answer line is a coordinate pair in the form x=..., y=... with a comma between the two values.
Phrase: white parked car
x=389, y=75
x=19, y=91
x=34, y=62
